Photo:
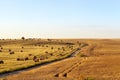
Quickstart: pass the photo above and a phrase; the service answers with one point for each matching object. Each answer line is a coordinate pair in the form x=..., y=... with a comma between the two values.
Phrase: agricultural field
x=19, y=54
x=97, y=60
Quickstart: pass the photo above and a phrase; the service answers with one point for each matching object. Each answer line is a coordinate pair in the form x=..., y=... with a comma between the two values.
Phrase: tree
x=23, y=38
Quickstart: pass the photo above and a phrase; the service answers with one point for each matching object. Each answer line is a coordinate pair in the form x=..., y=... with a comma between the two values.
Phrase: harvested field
x=100, y=62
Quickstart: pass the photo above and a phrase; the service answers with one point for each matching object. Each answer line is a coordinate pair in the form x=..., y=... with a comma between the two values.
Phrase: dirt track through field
x=63, y=72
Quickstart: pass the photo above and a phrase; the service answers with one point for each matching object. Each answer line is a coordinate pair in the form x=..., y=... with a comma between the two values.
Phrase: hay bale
x=9, y=50
x=35, y=57
x=36, y=60
x=1, y=62
x=30, y=54
x=21, y=51
x=0, y=50
x=12, y=52
x=26, y=58
x=1, y=47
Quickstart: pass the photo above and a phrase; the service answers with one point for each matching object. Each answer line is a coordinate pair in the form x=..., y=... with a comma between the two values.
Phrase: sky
x=60, y=18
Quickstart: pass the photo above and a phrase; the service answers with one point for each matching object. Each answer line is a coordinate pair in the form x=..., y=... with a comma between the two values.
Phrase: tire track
x=65, y=72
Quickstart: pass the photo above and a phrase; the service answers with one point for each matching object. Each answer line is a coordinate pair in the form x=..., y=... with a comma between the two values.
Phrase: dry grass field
x=99, y=60
x=18, y=54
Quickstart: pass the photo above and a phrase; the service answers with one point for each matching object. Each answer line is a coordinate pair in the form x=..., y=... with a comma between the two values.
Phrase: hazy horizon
x=60, y=18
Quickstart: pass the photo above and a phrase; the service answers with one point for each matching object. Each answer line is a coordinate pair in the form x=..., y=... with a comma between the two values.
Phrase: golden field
x=99, y=60
x=22, y=49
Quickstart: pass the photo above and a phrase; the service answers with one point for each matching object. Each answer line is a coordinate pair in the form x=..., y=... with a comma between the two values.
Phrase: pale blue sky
x=60, y=18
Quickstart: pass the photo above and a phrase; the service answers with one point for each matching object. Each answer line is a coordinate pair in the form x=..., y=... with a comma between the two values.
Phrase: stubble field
x=99, y=60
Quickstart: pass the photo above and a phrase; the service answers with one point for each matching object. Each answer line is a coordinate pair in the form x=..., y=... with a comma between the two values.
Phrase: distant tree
x=23, y=38
x=49, y=39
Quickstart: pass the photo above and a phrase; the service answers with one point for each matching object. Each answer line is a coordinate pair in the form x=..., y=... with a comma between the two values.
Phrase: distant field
x=99, y=60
